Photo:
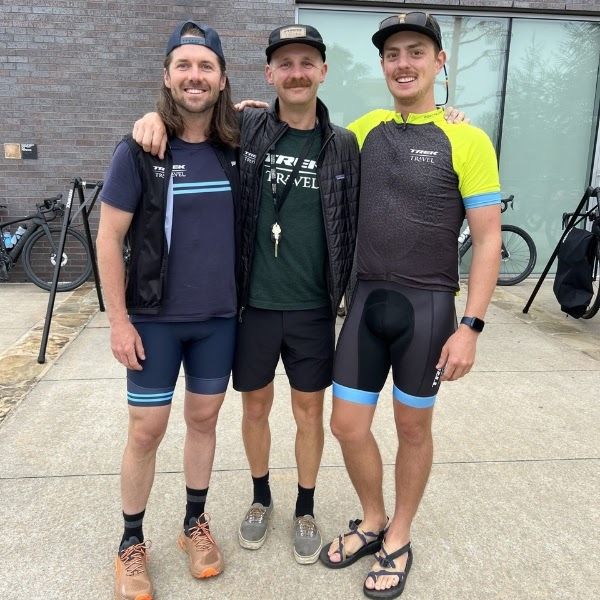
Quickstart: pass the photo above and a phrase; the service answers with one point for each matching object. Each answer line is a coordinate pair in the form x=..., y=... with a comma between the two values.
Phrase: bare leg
x=413, y=465
x=201, y=413
x=255, y=428
x=308, y=413
x=351, y=425
x=147, y=426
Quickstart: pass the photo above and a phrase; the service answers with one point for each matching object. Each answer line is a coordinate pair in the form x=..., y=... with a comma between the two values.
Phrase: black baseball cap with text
x=421, y=22
x=294, y=34
x=210, y=38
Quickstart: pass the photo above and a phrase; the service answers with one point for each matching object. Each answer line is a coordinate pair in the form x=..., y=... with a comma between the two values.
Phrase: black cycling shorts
x=393, y=325
x=304, y=339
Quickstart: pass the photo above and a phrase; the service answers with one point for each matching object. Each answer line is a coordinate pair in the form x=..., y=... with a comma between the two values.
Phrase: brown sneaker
x=205, y=557
x=132, y=581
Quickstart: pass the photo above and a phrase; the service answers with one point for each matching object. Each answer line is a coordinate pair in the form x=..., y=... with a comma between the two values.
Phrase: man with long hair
x=176, y=302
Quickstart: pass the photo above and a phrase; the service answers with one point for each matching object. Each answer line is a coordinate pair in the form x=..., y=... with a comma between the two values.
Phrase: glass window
x=548, y=124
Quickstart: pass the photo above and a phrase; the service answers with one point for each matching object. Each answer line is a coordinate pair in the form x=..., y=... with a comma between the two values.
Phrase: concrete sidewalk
x=511, y=511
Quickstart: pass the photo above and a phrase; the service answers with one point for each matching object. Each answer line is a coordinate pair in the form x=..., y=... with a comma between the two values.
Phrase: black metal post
x=86, y=208
x=75, y=183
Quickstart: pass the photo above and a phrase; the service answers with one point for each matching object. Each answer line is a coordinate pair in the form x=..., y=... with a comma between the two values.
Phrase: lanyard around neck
x=279, y=200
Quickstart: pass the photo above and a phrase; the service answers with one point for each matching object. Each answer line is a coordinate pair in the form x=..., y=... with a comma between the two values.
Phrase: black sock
x=262, y=490
x=305, y=503
x=133, y=528
x=196, y=499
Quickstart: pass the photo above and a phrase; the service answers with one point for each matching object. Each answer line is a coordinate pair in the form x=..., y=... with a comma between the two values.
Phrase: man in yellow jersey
x=419, y=177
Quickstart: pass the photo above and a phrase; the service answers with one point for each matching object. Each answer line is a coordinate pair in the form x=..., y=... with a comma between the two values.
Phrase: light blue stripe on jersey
x=205, y=187
x=482, y=200
x=205, y=184
x=353, y=395
x=414, y=401
x=200, y=191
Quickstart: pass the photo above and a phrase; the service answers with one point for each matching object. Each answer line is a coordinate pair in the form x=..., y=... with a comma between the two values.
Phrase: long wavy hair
x=223, y=130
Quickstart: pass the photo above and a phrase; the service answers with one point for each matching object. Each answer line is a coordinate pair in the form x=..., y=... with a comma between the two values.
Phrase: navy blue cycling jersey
x=199, y=228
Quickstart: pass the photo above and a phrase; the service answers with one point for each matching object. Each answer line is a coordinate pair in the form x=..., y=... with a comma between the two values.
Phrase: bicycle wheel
x=594, y=305
x=518, y=255
x=39, y=258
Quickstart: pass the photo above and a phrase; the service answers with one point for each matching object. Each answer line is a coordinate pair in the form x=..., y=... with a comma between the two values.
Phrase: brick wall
x=75, y=75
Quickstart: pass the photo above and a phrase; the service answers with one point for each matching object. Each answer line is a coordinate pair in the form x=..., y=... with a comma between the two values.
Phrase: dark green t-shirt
x=296, y=278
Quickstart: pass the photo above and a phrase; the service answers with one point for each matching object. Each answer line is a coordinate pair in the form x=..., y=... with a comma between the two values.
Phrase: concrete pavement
x=511, y=510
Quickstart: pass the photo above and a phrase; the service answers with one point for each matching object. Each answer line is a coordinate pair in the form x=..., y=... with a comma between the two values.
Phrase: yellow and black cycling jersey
x=418, y=176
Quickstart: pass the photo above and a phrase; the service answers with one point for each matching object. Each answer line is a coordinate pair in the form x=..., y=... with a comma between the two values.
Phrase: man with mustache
x=299, y=176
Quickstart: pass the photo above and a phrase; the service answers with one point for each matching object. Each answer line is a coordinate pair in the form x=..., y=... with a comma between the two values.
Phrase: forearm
x=112, y=275
x=483, y=275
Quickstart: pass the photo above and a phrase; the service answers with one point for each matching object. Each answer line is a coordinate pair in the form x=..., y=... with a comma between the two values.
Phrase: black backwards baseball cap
x=294, y=34
x=421, y=22
x=211, y=39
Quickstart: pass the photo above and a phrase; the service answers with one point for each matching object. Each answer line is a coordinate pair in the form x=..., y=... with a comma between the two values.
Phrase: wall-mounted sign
x=12, y=151
x=19, y=151
x=28, y=150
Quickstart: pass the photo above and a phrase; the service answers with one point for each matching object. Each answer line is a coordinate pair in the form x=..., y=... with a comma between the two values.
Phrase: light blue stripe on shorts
x=139, y=396
x=352, y=395
x=414, y=401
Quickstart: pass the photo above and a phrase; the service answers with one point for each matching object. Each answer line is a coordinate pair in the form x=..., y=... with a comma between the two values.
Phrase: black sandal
x=387, y=562
x=368, y=547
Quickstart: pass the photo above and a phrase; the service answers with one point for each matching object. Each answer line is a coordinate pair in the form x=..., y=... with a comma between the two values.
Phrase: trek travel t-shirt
x=296, y=278
x=199, y=228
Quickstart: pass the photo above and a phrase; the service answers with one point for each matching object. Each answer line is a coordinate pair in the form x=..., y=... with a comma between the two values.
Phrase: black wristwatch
x=474, y=323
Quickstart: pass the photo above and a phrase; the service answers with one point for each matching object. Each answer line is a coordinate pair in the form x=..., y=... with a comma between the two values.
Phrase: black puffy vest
x=338, y=175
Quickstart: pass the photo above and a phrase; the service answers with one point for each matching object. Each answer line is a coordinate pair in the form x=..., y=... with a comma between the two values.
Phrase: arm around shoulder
x=151, y=134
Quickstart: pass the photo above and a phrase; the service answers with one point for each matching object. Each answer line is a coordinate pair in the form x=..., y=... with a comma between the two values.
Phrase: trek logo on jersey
x=159, y=172
x=178, y=171
x=249, y=157
x=423, y=155
x=290, y=161
x=306, y=177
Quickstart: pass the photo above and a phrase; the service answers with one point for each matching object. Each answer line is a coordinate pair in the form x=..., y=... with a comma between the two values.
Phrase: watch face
x=474, y=323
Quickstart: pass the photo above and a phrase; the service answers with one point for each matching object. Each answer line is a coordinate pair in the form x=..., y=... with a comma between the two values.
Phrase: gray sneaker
x=253, y=530
x=307, y=540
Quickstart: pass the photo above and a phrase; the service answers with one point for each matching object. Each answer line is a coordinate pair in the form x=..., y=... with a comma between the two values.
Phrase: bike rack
x=85, y=208
x=589, y=193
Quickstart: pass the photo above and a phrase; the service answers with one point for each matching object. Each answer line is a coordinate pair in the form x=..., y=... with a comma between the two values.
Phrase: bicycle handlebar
x=88, y=185
x=49, y=203
x=506, y=202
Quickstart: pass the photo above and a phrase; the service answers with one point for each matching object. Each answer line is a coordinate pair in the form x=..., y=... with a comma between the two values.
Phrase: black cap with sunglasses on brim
x=420, y=22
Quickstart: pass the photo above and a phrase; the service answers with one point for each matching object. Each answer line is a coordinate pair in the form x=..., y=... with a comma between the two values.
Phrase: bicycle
x=38, y=244
x=518, y=253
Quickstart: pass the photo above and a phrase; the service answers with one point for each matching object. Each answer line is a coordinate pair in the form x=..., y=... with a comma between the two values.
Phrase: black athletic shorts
x=304, y=339
x=393, y=325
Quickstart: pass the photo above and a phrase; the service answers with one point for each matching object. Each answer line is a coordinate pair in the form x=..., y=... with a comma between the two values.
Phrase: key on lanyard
x=276, y=235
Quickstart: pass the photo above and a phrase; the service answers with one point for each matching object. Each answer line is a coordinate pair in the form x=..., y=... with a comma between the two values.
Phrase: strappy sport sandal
x=387, y=562
x=371, y=543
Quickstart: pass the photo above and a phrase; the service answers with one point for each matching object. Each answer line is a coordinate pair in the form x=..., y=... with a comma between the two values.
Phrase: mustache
x=297, y=82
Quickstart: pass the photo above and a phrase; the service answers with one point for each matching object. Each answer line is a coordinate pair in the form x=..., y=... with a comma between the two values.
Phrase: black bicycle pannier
x=573, y=281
